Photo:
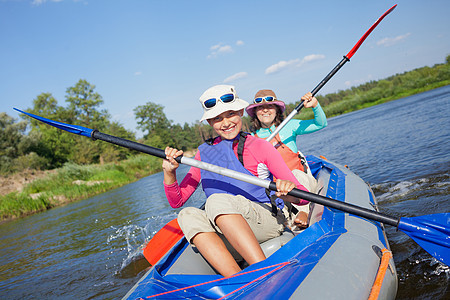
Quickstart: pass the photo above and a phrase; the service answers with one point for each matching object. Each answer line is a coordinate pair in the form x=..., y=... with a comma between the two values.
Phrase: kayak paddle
x=331, y=74
x=431, y=232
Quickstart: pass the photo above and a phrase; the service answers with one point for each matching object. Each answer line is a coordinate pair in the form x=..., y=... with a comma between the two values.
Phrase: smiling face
x=227, y=124
x=266, y=114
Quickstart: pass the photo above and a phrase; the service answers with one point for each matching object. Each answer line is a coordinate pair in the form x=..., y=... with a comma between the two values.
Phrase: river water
x=90, y=249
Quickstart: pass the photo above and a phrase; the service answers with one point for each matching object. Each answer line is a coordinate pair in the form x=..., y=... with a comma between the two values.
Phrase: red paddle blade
x=431, y=232
x=162, y=242
x=362, y=39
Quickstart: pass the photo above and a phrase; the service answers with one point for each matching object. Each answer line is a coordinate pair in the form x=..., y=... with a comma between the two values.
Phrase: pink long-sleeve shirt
x=260, y=158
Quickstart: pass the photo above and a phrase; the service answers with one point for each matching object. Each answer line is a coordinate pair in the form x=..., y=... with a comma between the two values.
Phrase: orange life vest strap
x=292, y=159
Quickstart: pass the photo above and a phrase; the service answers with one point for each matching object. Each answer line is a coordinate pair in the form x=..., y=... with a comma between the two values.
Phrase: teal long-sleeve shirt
x=288, y=134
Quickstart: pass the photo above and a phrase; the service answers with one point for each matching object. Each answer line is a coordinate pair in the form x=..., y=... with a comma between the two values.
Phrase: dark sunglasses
x=265, y=99
x=227, y=98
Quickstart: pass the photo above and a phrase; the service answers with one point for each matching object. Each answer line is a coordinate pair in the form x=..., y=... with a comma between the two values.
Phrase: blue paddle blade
x=431, y=232
x=80, y=130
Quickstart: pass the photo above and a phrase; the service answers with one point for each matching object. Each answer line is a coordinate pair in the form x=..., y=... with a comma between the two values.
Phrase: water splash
x=393, y=191
x=429, y=268
x=440, y=268
x=132, y=238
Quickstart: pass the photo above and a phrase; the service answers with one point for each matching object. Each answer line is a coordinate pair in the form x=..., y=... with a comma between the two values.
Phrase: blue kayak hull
x=336, y=257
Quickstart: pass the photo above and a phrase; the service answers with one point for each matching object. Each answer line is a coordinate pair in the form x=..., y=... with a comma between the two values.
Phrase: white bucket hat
x=219, y=99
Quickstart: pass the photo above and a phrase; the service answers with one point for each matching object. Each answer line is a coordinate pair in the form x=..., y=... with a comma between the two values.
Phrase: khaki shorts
x=258, y=215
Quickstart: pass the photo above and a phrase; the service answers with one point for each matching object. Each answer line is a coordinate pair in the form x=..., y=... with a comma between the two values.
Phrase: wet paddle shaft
x=331, y=74
x=431, y=232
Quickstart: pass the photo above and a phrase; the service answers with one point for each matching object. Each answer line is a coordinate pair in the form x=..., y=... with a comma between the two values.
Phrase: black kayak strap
x=240, y=150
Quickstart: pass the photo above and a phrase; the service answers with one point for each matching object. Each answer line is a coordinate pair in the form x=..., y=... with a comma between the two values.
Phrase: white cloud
x=281, y=65
x=138, y=73
x=312, y=57
x=387, y=42
x=223, y=49
x=235, y=77
x=293, y=62
x=219, y=49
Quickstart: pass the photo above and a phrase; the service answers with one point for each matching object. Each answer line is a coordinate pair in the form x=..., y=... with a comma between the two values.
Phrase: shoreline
x=34, y=191
x=18, y=188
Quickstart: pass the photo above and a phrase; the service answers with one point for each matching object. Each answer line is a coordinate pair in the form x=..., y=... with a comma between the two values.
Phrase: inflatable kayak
x=339, y=256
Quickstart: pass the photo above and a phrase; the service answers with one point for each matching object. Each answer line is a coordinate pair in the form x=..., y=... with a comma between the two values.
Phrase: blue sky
x=169, y=52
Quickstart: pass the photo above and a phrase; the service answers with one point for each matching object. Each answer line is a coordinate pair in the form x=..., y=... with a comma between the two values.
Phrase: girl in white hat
x=238, y=216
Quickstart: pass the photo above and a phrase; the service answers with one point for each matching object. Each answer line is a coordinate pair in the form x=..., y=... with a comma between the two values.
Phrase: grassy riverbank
x=74, y=182
x=356, y=102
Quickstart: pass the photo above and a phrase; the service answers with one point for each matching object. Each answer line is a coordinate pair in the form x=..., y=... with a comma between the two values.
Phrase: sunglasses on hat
x=227, y=98
x=265, y=99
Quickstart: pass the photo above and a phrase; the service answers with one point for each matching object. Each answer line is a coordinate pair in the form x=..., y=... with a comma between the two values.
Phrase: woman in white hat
x=237, y=215
x=266, y=114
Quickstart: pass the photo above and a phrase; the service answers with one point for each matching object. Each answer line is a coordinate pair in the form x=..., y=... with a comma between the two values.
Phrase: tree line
x=30, y=144
x=393, y=87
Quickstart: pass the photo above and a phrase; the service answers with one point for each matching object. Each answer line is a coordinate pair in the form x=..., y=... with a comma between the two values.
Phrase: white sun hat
x=219, y=99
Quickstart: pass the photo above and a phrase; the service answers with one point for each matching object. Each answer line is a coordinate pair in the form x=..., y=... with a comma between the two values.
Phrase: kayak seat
x=272, y=245
x=192, y=262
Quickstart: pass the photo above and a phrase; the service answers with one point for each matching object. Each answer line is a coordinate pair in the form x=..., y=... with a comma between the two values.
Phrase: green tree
x=83, y=110
x=51, y=143
x=83, y=105
x=153, y=122
x=111, y=153
x=44, y=105
x=59, y=146
x=14, y=144
x=151, y=117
